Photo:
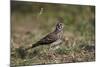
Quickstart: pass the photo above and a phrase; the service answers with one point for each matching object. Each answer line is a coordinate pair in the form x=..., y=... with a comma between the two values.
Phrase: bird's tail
x=33, y=45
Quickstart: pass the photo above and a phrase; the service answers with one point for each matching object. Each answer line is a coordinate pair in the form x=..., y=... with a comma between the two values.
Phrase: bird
x=53, y=38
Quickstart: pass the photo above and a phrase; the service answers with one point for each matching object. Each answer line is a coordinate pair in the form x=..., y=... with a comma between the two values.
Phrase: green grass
x=27, y=27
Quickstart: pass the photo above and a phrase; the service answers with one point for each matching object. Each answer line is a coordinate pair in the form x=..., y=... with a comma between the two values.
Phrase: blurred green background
x=30, y=21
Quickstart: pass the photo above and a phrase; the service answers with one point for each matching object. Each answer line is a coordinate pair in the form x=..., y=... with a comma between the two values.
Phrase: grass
x=28, y=27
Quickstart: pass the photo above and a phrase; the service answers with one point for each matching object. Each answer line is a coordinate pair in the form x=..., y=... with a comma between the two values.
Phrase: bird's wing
x=50, y=38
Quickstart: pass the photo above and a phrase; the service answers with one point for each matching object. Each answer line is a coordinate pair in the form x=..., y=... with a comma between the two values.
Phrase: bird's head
x=59, y=25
